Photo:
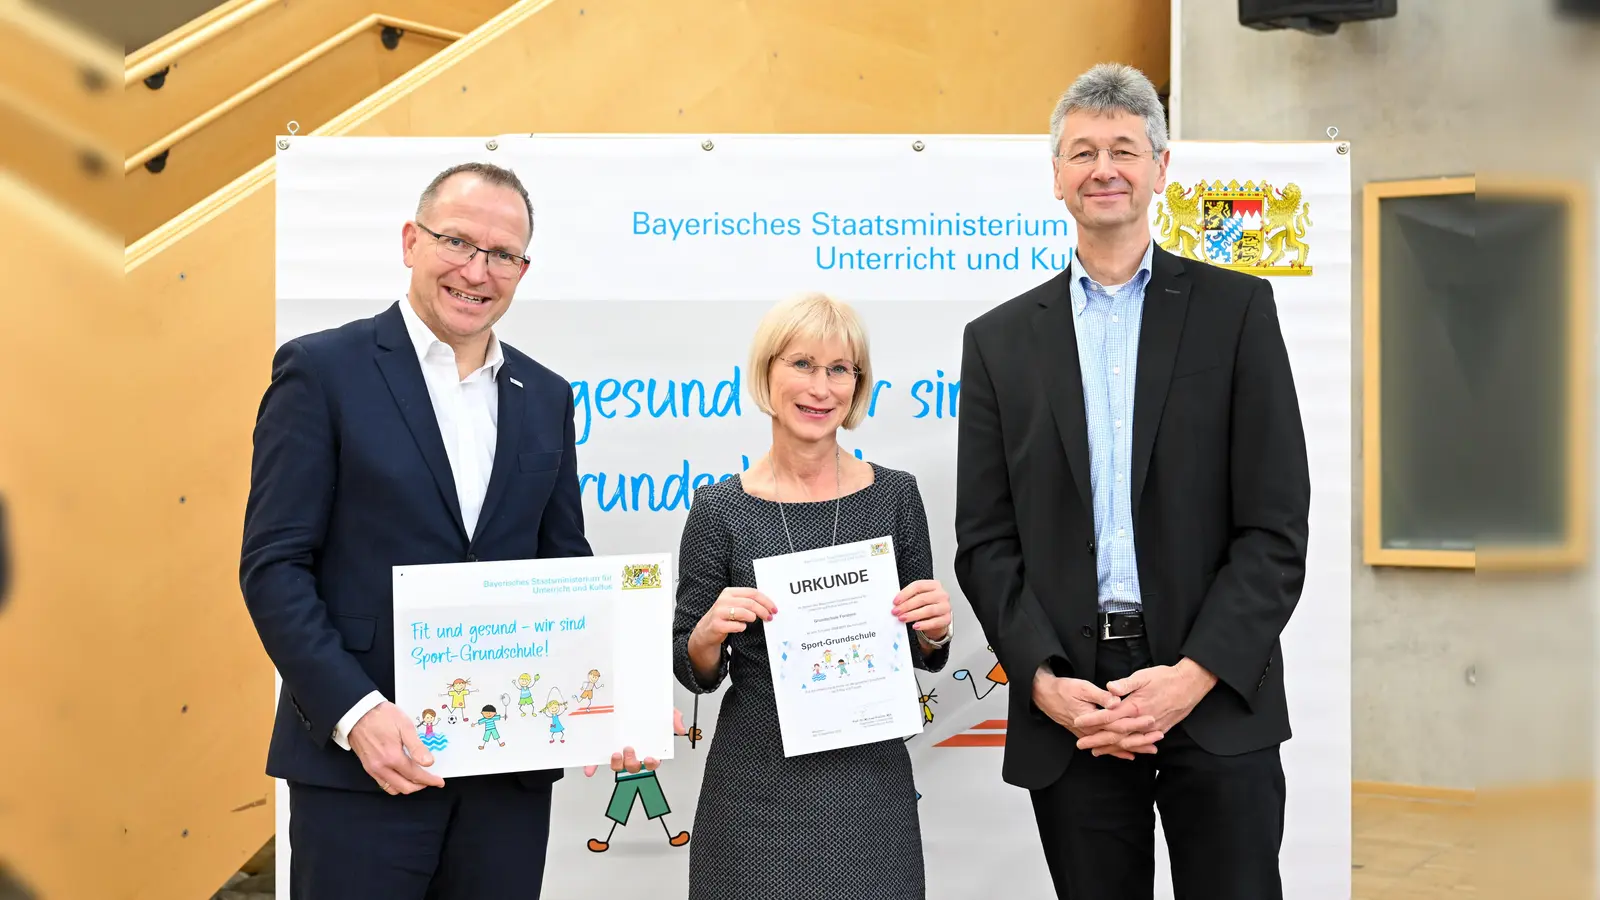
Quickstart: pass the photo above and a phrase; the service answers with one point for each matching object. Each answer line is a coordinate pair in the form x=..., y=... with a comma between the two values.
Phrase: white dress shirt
x=468, y=412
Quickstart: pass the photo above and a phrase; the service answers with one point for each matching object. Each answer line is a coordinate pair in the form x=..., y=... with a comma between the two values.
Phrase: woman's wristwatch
x=949, y=633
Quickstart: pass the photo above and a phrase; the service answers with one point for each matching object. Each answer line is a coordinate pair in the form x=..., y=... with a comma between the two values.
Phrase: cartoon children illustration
x=869, y=662
x=457, y=692
x=644, y=787
x=491, y=726
x=554, y=709
x=816, y=672
x=841, y=667
x=432, y=741
x=586, y=693
x=525, y=683
x=855, y=651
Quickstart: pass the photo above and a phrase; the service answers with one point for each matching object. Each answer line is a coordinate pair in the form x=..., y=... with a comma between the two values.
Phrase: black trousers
x=1222, y=815
x=478, y=837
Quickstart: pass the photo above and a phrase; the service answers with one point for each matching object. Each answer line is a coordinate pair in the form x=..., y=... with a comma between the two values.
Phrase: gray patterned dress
x=835, y=825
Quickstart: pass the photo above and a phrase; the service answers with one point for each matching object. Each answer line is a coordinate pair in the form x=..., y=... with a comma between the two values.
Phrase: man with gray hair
x=1132, y=512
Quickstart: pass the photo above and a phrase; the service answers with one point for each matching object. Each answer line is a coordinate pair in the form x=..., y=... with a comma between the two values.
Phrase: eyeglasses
x=839, y=373
x=1119, y=157
x=460, y=252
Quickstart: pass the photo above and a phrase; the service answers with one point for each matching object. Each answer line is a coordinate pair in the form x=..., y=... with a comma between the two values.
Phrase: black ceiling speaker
x=1312, y=16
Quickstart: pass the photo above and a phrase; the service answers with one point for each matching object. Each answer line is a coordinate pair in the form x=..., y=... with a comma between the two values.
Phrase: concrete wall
x=1434, y=91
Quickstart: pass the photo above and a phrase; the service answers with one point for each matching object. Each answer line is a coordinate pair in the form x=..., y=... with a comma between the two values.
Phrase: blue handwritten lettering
x=426, y=658
x=533, y=650
x=625, y=492
x=872, y=407
x=944, y=394
x=478, y=631
x=661, y=399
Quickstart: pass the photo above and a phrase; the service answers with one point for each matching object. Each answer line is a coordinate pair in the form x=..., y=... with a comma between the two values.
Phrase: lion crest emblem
x=1259, y=229
x=641, y=577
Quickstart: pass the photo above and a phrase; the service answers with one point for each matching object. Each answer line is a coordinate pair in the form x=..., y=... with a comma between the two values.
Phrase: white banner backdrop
x=653, y=259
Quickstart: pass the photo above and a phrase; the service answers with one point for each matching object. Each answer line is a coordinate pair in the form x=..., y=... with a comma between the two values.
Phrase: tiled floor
x=1422, y=849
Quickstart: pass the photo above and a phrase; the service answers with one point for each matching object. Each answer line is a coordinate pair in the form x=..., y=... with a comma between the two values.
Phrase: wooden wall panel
x=1000, y=66
x=199, y=301
x=69, y=489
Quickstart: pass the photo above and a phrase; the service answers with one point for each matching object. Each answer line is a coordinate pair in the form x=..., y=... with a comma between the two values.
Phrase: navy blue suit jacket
x=349, y=479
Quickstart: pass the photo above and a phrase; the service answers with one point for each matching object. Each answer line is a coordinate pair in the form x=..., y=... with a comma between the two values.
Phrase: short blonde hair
x=811, y=317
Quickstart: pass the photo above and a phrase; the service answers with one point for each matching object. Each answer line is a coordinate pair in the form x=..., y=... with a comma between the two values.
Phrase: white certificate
x=535, y=664
x=841, y=661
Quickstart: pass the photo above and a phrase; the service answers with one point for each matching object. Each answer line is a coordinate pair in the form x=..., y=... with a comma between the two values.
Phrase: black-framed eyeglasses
x=837, y=372
x=460, y=252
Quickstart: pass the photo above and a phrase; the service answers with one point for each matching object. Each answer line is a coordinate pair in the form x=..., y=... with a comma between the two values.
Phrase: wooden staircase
x=204, y=103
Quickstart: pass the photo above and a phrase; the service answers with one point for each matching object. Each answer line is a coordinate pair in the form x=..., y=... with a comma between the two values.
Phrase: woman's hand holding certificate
x=734, y=608
x=926, y=604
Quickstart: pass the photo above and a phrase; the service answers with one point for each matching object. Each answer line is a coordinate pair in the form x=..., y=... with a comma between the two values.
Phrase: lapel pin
x=516, y=382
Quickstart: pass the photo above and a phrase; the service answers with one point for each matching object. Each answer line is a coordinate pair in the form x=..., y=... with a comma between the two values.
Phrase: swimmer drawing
x=433, y=741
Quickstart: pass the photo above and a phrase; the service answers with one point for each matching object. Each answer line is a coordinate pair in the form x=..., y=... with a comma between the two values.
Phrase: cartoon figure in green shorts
x=491, y=726
x=525, y=683
x=644, y=787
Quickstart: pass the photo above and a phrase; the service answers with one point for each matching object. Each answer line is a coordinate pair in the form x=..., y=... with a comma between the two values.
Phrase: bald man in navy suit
x=410, y=438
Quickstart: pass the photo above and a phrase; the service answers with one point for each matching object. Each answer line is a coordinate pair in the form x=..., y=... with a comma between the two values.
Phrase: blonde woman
x=840, y=823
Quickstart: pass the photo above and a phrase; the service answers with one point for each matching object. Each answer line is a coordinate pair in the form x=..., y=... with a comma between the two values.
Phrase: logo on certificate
x=638, y=578
x=879, y=548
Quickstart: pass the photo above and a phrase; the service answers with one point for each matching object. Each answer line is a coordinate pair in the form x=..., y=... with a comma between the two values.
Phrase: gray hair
x=1109, y=88
x=490, y=173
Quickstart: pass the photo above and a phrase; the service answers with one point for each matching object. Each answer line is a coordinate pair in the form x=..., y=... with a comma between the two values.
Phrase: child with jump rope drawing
x=554, y=709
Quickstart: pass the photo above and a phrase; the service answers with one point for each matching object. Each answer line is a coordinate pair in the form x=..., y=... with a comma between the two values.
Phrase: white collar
x=424, y=340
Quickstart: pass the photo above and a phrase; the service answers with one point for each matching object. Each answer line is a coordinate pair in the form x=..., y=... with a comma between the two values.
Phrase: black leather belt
x=1121, y=626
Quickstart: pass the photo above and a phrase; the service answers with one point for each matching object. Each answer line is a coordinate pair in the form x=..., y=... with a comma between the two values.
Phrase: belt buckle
x=1105, y=630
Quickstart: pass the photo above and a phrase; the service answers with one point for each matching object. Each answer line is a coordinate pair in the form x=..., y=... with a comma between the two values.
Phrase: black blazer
x=1221, y=498
x=349, y=479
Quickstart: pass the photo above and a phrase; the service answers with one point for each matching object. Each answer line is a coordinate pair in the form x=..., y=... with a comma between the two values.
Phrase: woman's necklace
x=838, y=492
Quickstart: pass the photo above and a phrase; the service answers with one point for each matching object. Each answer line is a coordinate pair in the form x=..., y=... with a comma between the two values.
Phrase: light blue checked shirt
x=1108, y=321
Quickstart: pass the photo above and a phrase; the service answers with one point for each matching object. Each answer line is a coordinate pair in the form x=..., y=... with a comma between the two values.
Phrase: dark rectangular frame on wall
x=1569, y=547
